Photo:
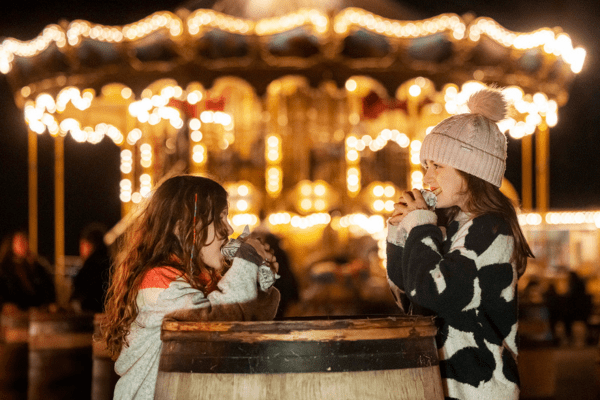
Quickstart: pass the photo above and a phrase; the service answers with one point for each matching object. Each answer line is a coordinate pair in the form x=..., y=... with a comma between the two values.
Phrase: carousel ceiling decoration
x=204, y=44
x=295, y=111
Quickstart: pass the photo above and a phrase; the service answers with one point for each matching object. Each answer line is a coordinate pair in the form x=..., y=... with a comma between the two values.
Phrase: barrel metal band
x=99, y=349
x=297, y=357
x=16, y=335
x=60, y=341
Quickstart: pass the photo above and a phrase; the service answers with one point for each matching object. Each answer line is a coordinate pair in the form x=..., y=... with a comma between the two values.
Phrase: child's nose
x=428, y=177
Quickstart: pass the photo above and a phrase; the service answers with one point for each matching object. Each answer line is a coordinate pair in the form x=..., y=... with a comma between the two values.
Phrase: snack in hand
x=266, y=277
x=233, y=245
x=430, y=198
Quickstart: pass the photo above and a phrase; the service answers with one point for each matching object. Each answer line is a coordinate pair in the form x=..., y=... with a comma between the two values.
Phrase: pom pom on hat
x=489, y=103
x=472, y=142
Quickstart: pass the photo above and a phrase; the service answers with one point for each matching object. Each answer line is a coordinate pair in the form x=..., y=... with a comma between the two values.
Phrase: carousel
x=310, y=113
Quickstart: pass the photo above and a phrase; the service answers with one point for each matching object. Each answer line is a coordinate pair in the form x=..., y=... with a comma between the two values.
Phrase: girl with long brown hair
x=171, y=263
x=461, y=262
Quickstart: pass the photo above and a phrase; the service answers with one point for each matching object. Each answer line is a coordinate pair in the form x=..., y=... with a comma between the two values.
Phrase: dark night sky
x=92, y=173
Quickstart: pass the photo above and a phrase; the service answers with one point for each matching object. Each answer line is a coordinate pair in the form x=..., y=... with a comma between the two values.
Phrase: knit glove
x=266, y=277
x=399, y=233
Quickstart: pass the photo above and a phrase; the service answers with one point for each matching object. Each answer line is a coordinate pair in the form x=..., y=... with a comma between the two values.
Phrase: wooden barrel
x=14, y=333
x=376, y=358
x=60, y=355
x=537, y=352
x=537, y=369
x=104, y=377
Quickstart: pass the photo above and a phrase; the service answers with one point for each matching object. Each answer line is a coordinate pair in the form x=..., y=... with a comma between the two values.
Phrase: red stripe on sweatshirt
x=160, y=277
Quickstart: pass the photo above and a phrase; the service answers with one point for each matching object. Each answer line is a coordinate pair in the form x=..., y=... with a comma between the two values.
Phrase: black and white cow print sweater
x=466, y=279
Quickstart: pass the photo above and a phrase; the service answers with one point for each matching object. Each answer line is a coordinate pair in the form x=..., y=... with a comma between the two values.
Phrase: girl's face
x=447, y=183
x=211, y=251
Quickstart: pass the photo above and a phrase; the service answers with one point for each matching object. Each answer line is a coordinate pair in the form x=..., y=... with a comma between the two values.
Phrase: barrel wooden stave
x=406, y=384
x=14, y=364
x=392, y=358
x=104, y=377
x=537, y=370
x=537, y=367
x=60, y=355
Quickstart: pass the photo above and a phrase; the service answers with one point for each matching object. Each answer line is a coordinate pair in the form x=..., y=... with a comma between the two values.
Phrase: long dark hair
x=485, y=198
x=162, y=235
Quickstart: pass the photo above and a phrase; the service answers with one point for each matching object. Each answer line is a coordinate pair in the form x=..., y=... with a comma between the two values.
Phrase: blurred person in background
x=287, y=283
x=91, y=282
x=578, y=304
x=23, y=279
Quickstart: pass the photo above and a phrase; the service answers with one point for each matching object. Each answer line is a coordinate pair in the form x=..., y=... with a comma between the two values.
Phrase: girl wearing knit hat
x=463, y=267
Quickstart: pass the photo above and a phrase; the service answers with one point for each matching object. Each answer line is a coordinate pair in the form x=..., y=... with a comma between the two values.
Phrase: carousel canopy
x=260, y=9
x=282, y=95
x=326, y=42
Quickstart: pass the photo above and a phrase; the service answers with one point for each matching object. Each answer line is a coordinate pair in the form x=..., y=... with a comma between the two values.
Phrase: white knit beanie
x=472, y=142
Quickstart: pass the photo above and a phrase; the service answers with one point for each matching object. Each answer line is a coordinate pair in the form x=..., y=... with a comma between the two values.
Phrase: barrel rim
x=283, y=325
x=99, y=318
x=43, y=316
x=312, y=330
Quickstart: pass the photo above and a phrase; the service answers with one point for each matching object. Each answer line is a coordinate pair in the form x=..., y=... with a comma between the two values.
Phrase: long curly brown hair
x=162, y=234
x=485, y=198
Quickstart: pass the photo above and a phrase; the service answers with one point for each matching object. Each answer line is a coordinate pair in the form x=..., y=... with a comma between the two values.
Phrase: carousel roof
x=326, y=43
x=259, y=9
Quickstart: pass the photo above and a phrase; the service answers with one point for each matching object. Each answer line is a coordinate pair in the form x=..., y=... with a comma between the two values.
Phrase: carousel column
x=198, y=150
x=274, y=174
x=126, y=184
x=59, y=220
x=353, y=174
x=527, y=175
x=273, y=148
x=415, y=174
x=147, y=177
x=542, y=183
x=542, y=150
x=33, y=190
x=127, y=164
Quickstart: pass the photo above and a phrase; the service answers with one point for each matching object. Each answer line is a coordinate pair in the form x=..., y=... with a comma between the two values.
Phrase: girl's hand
x=411, y=200
x=265, y=251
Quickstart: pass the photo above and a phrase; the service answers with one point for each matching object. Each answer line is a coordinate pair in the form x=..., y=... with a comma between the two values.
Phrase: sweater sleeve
x=396, y=240
x=449, y=282
x=395, y=247
x=238, y=296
